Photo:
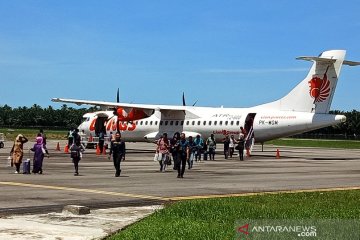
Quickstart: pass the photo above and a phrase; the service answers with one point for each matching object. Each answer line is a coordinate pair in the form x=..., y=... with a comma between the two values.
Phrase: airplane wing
x=122, y=105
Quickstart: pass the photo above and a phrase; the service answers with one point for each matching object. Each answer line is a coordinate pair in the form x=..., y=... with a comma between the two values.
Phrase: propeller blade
x=183, y=98
x=118, y=96
x=195, y=102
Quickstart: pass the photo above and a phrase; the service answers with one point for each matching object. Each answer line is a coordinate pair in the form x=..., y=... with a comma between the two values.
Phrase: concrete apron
x=63, y=226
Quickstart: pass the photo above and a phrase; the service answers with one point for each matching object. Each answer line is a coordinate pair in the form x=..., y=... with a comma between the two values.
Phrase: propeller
x=115, y=110
x=183, y=100
x=118, y=96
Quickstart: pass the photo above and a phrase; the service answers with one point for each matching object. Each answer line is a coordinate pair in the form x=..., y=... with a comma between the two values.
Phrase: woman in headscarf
x=17, y=151
x=39, y=150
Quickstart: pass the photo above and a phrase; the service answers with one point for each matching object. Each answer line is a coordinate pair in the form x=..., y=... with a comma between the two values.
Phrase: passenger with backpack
x=76, y=151
x=199, y=144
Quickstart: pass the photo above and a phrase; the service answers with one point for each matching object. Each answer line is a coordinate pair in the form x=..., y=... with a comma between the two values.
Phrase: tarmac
x=34, y=201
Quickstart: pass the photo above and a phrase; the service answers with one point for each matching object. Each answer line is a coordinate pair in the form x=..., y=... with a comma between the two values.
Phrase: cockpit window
x=86, y=119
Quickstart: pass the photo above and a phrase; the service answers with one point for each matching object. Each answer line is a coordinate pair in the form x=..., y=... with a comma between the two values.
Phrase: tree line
x=36, y=116
x=68, y=117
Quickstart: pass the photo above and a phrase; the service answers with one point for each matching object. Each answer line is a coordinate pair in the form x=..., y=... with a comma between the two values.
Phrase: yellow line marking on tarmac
x=259, y=193
x=175, y=198
x=82, y=190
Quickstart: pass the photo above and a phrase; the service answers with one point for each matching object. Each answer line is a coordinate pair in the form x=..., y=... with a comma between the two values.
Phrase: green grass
x=216, y=218
x=347, y=144
x=10, y=134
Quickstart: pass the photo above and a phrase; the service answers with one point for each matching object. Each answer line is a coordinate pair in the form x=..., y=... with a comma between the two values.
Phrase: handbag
x=168, y=160
x=9, y=161
x=156, y=157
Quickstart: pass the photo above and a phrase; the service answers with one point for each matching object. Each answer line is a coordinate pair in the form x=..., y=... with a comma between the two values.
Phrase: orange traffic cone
x=248, y=153
x=277, y=154
x=66, y=149
x=58, y=147
x=98, y=152
x=104, y=150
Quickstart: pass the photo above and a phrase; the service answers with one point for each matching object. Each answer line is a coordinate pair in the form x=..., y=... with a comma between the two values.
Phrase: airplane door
x=249, y=124
x=100, y=124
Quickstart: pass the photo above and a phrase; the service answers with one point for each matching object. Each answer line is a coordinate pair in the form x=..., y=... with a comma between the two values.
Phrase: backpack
x=74, y=154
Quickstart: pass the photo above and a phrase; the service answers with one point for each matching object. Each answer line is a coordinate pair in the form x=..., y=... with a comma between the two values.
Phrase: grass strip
x=346, y=144
x=10, y=134
x=216, y=218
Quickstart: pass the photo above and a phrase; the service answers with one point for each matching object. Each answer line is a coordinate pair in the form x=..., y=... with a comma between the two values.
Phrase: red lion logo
x=319, y=88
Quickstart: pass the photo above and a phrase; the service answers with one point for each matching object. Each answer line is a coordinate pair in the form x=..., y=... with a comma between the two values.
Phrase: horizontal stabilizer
x=327, y=60
x=317, y=59
x=351, y=63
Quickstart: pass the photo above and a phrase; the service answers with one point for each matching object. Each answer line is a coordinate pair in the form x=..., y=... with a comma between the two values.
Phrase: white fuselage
x=267, y=125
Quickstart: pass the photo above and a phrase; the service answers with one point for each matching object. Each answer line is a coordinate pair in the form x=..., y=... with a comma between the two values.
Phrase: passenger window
x=146, y=122
x=215, y=123
x=187, y=122
x=156, y=122
x=161, y=122
x=199, y=123
x=193, y=123
x=204, y=123
x=237, y=123
x=209, y=123
x=232, y=123
x=176, y=123
x=140, y=122
x=166, y=123
x=182, y=123
x=150, y=122
x=171, y=123
x=226, y=123
x=220, y=123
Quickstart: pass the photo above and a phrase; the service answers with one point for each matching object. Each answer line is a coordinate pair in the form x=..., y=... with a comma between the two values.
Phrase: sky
x=220, y=53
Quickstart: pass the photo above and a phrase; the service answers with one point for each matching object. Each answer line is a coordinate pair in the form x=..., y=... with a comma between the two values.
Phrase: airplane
x=305, y=108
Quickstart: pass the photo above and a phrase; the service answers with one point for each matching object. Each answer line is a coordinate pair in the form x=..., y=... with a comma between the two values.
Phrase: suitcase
x=26, y=166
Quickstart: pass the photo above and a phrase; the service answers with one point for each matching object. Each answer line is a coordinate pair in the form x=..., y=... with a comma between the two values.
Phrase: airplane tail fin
x=316, y=91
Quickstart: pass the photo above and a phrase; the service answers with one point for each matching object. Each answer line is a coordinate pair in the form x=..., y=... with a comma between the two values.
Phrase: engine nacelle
x=133, y=115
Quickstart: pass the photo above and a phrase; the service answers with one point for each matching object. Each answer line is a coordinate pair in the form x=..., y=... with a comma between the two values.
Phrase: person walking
x=241, y=146
x=163, y=146
x=43, y=135
x=232, y=145
x=174, y=149
x=117, y=150
x=101, y=141
x=226, y=142
x=211, y=143
x=199, y=144
x=76, y=151
x=183, y=155
x=70, y=137
x=39, y=150
x=192, y=152
x=17, y=151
